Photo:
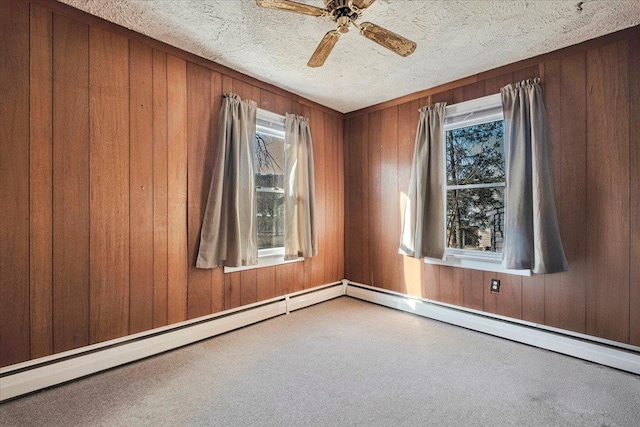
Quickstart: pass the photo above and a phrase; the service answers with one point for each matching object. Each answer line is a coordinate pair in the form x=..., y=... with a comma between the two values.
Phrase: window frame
x=268, y=123
x=464, y=114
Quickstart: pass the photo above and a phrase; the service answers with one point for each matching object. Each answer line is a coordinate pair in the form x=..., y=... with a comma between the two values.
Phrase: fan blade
x=291, y=6
x=324, y=49
x=362, y=4
x=388, y=39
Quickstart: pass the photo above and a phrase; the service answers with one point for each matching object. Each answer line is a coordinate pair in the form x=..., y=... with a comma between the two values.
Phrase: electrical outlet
x=495, y=286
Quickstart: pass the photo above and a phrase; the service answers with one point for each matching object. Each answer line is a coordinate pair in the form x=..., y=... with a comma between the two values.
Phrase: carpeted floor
x=343, y=363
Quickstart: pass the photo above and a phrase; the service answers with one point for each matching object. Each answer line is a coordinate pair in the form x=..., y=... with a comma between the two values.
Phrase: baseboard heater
x=22, y=378
x=609, y=353
x=33, y=375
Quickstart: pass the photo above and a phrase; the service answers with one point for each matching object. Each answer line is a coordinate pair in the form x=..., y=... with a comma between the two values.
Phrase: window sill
x=269, y=258
x=476, y=263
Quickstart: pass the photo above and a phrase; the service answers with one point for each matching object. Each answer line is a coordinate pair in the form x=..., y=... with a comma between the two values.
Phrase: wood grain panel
x=14, y=176
x=316, y=125
x=217, y=274
x=329, y=198
x=177, y=189
x=473, y=289
x=451, y=285
x=493, y=85
x=533, y=298
x=430, y=281
x=526, y=73
x=232, y=284
x=472, y=91
x=266, y=283
x=160, y=199
x=509, y=301
x=200, y=158
x=109, y=185
x=373, y=217
x=390, y=199
x=347, y=141
x=70, y=184
x=341, y=201
x=141, y=265
x=608, y=191
x=565, y=100
x=248, y=287
x=358, y=174
x=41, y=182
x=634, y=188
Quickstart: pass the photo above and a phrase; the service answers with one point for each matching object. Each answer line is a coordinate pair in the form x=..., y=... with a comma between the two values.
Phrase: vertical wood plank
x=200, y=159
x=533, y=298
x=509, y=301
x=248, y=287
x=330, y=196
x=634, y=187
x=109, y=185
x=177, y=188
x=390, y=200
x=430, y=281
x=473, y=292
x=608, y=191
x=451, y=285
x=41, y=182
x=347, y=141
x=357, y=201
x=232, y=285
x=494, y=84
x=217, y=274
x=316, y=124
x=266, y=283
x=473, y=91
x=160, y=199
x=71, y=228
x=565, y=90
x=374, y=191
x=14, y=175
x=141, y=188
x=341, y=202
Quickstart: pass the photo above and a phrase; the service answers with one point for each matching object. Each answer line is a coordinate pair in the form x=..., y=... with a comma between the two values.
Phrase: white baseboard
x=624, y=359
x=27, y=377
x=22, y=378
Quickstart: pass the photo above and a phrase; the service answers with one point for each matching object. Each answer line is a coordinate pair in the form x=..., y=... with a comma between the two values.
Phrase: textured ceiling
x=456, y=38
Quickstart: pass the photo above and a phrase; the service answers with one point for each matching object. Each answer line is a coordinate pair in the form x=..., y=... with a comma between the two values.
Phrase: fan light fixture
x=344, y=13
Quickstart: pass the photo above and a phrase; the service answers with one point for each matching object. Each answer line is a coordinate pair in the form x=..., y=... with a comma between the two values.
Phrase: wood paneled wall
x=592, y=96
x=107, y=146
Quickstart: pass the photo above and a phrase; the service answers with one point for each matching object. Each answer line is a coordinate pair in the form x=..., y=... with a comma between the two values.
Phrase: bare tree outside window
x=269, y=161
x=475, y=187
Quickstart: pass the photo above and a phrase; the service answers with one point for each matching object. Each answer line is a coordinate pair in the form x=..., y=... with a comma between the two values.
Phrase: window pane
x=269, y=160
x=475, y=219
x=270, y=220
x=475, y=154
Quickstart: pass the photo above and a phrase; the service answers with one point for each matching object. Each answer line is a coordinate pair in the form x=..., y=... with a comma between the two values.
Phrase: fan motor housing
x=340, y=9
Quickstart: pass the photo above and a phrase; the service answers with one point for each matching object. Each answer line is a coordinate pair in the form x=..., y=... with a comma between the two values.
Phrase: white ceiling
x=456, y=38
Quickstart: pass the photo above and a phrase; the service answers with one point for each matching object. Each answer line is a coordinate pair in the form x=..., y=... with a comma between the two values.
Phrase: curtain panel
x=423, y=227
x=229, y=235
x=300, y=239
x=532, y=236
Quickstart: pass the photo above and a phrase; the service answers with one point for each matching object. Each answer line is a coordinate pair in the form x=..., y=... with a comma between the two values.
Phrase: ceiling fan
x=344, y=13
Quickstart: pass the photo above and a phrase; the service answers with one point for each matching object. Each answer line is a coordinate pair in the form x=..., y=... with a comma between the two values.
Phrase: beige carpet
x=343, y=363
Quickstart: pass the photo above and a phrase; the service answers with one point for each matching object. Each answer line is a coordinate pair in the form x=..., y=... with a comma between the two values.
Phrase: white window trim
x=456, y=116
x=272, y=124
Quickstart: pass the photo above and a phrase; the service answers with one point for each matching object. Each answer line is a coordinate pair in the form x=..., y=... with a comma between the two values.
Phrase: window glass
x=475, y=187
x=269, y=161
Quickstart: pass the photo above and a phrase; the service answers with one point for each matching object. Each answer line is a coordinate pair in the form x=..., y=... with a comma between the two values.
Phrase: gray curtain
x=532, y=236
x=300, y=238
x=228, y=236
x=423, y=229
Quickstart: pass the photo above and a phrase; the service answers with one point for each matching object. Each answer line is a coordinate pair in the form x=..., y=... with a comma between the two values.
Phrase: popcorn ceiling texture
x=456, y=38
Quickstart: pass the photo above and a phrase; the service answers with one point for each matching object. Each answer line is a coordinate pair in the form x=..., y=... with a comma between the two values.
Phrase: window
x=475, y=182
x=269, y=180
